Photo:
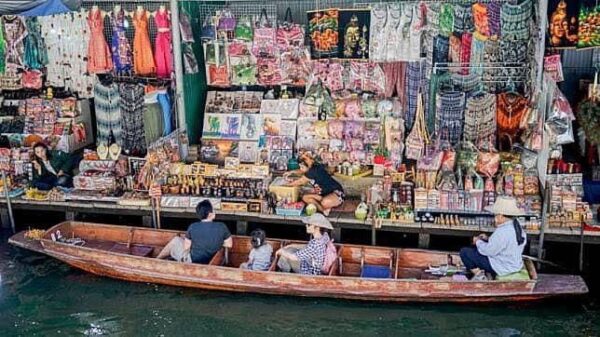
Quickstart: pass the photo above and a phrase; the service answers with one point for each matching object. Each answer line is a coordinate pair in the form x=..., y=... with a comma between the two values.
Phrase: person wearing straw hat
x=307, y=259
x=501, y=253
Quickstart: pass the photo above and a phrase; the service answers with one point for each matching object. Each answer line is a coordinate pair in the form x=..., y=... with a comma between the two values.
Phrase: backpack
x=330, y=257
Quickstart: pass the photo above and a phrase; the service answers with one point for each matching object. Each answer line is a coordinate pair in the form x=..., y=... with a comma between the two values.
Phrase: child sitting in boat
x=260, y=255
x=307, y=259
x=502, y=253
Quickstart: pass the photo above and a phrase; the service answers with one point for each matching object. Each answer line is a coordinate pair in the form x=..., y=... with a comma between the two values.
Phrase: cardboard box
x=284, y=192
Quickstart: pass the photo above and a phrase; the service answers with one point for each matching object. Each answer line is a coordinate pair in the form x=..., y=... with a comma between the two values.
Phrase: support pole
x=544, y=223
x=543, y=9
x=178, y=63
x=8, y=204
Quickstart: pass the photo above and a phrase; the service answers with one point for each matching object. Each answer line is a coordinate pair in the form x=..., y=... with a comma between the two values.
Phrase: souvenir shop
x=435, y=100
x=425, y=111
x=93, y=83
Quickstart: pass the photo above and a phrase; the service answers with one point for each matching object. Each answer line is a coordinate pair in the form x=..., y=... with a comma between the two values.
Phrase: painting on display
x=212, y=125
x=230, y=126
x=250, y=126
x=248, y=152
x=214, y=151
x=354, y=33
x=563, y=23
x=323, y=33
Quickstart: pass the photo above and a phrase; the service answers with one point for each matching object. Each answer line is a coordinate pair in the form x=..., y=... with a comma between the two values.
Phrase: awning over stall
x=38, y=7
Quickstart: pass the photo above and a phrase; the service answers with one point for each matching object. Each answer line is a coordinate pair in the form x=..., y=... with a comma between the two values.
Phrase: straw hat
x=505, y=206
x=318, y=220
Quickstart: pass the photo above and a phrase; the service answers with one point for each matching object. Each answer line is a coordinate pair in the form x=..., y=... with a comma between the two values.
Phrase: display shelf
x=457, y=212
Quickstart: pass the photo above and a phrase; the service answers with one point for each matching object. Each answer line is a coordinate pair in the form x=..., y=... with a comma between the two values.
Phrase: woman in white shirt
x=502, y=253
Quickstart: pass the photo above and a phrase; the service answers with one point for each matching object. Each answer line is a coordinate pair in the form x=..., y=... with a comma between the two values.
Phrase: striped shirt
x=502, y=249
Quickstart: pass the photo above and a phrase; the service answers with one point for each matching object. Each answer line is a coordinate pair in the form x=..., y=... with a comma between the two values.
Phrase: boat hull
x=212, y=277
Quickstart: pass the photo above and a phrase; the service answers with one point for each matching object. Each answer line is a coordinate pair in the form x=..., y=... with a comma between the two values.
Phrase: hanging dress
x=14, y=34
x=143, y=60
x=162, y=46
x=121, y=51
x=36, y=56
x=99, y=60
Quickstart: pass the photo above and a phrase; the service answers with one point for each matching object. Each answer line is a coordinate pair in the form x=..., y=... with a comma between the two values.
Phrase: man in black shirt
x=202, y=240
x=328, y=193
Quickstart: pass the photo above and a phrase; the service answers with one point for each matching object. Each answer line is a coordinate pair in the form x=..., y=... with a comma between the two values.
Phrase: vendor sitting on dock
x=202, y=240
x=307, y=259
x=328, y=193
x=51, y=168
x=502, y=253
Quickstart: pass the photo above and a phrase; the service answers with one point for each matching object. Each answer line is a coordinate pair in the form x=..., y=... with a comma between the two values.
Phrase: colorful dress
x=99, y=60
x=143, y=60
x=14, y=33
x=121, y=51
x=36, y=56
x=162, y=46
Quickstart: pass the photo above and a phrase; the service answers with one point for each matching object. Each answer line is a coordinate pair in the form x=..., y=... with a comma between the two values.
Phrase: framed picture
x=288, y=128
x=323, y=33
x=250, y=126
x=214, y=151
x=288, y=108
x=248, y=152
x=271, y=124
x=354, y=26
x=231, y=126
x=563, y=23
x=212, y=126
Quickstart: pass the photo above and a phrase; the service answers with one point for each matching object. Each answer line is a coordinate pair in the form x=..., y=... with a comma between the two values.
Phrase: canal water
x=40, y=296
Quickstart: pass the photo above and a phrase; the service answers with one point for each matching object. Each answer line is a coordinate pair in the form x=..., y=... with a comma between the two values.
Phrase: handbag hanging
x=289, y=34
x=243, y=29
x=416, y=139
x=432, y=158
x=488, y=161
x=226, y=24
x=208, y=31
x=264, y=37
x=32, y=79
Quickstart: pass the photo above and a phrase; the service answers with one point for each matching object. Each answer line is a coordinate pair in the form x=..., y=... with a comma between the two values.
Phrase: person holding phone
x=327, y=193
x=51, y=168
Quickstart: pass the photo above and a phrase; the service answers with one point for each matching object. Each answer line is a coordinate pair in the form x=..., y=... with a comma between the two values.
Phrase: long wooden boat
x=128, y=253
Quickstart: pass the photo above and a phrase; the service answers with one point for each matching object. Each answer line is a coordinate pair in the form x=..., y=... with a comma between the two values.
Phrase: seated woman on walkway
x=328, y=192
x=502, y=253
x=51, y=168
x=307, y=259
x=202, y=240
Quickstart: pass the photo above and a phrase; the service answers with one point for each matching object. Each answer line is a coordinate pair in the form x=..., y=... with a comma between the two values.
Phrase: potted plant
x=381, y=154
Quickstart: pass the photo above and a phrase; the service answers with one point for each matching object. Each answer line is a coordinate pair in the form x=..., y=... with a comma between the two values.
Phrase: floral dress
x=162, y=46
x=99, y=60
x=121, y=51
x=143, y=60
